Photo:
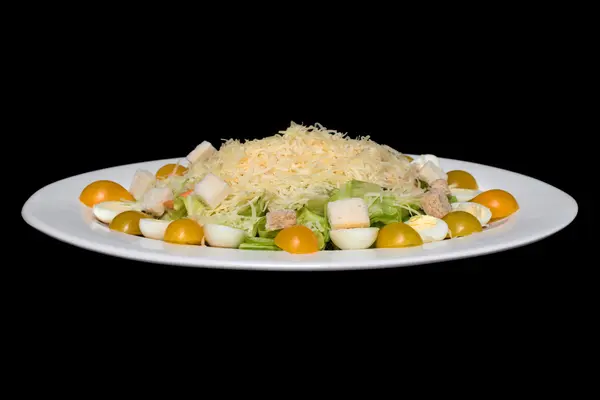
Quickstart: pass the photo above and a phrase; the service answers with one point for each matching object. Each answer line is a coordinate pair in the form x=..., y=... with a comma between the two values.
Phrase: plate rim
x=301, y=262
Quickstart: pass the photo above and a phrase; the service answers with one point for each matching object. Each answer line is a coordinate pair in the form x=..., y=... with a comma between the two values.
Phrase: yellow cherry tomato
x=398, y=234
x=297, y=239
x=103, y=190
x=128, y=222
x=169, y=169
x=461, y=223
x=461, y=179
x=184, y=231
x=500, y=202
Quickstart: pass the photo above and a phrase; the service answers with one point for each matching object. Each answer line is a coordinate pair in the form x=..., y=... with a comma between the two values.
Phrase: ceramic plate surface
x=544, y=210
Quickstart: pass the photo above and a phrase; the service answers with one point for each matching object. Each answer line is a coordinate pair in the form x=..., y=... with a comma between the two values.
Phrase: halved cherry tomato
x=500, y=202
x=461, y=223
x=103, y=190
x=184, y=231
x=297, y=239
x=462, y=179
x=170, y=169
x=398, y=234
x=128, y=222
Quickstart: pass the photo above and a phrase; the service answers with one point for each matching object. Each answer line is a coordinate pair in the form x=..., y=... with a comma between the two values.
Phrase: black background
x=99, y=101
x=94, y=88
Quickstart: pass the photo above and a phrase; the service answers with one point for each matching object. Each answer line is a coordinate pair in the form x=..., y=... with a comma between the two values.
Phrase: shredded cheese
x=300, y=163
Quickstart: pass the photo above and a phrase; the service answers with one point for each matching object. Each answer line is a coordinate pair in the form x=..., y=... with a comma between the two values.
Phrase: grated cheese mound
x=301, y=163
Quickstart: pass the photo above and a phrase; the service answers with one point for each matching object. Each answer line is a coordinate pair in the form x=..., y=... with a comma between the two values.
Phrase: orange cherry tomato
x=128, y=222
x=500, y=202
x=461, y=179
x=398, y=234
x=461, y=223
x=184, y=231
x=169, y=169
x=297, y=239
x=103, y=190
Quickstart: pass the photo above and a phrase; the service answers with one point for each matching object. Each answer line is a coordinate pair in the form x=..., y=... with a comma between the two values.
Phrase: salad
x=303, y=190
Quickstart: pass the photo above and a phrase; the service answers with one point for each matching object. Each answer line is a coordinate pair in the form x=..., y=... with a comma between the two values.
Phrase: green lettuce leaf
x=379, y=211
x=179, y=210
x=321, y=239
x=355, y=188
x=193, y=205
x=177, y=184
x=360, y=188
x=390, y=208
x=258, y=243
x=318, y=224
x=262, y=230
x=248, y=224
x=260, y=206
x=317, y=205
x=384, y=207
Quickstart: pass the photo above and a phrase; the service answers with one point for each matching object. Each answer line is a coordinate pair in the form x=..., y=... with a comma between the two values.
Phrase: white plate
x=544, y=210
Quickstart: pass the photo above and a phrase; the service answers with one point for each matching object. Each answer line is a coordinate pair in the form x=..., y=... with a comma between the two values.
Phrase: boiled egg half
x=431, y=229
x=154, y=228
x=106, y=211
x=223, y=236
x=354, y=238
x=463, y=195
x=479, y=211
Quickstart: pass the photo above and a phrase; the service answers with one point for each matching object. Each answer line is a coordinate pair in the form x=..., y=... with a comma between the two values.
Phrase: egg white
x=463, y=195
x=154, y=228
x=223, y=236
x=431, y=229
x=108, y=210
x=354, y=238
x=479, y=211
